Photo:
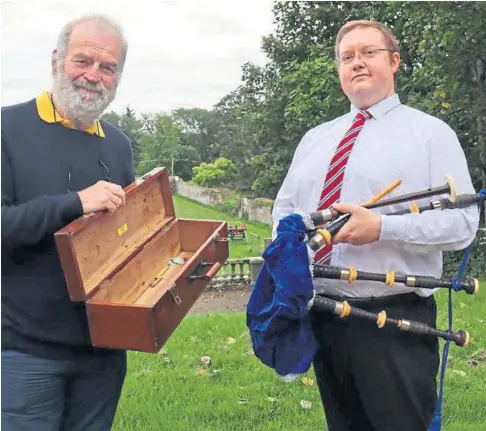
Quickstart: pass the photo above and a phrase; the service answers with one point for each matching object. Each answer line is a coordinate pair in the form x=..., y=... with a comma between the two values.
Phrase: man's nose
x=92, y=75
x=358, y=63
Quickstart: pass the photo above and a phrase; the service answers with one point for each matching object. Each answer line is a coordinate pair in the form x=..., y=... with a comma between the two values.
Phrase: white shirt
x=399, y=142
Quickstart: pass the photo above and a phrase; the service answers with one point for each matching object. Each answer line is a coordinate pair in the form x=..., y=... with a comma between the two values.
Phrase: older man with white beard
x=59, y=161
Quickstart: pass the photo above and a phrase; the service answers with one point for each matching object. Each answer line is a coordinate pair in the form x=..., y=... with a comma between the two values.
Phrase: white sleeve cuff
x=394, y=228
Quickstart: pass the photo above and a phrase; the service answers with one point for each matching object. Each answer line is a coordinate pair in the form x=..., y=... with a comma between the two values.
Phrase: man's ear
x=395, y=62
x=54, y=62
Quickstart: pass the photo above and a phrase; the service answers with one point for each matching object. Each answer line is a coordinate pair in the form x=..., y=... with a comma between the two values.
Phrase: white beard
x=79, y=105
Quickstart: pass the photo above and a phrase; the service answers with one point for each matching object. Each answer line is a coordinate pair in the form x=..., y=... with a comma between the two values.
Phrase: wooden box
x=140, y=269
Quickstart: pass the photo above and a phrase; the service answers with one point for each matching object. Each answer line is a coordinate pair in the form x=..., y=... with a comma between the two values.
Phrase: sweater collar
x=48, y=113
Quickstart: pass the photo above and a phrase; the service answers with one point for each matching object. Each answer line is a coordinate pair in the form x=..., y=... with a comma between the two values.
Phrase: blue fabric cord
x=456, y=286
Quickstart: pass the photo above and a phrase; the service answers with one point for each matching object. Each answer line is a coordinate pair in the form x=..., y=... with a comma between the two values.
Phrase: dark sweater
x=43, y=167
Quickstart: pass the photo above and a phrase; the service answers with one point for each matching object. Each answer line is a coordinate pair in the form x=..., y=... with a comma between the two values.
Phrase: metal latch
x=174, y=294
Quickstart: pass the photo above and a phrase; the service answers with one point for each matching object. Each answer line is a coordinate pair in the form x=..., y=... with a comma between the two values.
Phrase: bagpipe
x=330, y=214
x=283, y=296
x=470, y=286
x=322, y=236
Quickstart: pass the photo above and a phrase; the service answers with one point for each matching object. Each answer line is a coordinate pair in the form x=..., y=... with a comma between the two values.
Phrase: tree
x=186, y=160
x=199, y=128
x=161, y=144
x=130, y=126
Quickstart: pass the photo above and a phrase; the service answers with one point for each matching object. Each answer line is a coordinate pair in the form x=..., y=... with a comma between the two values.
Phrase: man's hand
x=363, y=227
x=102, y=196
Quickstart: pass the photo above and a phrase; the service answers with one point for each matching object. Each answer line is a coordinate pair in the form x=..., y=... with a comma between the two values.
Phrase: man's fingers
x=110, y=206
x=346, y=208
x=116, y=200
x=102, y=196
x=341, y=236
x=116, y=190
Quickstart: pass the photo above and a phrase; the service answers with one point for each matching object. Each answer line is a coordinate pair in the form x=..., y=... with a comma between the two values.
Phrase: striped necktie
x=331, y=192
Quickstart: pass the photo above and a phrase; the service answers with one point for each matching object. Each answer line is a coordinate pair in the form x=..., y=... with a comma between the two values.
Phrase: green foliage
x=477, y=260
x=442, y=83
x=221, y=171
x=314, y=93
x=268, y=173
x=188, y=157
x=215, y=133
x=184, y=138
x=199, y=128
x=161, y=144
x=130, y=125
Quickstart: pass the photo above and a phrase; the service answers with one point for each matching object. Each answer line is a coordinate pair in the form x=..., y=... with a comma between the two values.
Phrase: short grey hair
x=65, y=35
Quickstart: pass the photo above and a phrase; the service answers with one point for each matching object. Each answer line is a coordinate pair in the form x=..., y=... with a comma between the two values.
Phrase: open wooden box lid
x=95, y=246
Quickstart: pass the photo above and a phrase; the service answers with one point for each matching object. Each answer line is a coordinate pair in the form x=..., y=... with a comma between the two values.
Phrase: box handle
x=214, y=270
x=216, y=266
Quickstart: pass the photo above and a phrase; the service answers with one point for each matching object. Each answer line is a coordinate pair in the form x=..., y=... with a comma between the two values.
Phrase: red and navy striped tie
x=331, y=191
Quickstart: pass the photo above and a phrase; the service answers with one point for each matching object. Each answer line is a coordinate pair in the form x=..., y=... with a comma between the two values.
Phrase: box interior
x=148, y=275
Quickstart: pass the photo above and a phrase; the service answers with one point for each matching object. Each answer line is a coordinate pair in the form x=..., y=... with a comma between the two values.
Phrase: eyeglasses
x=348, y=57
x=106, y=174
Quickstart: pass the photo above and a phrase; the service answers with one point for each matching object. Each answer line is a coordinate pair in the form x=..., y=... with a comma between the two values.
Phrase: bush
x=221, y=171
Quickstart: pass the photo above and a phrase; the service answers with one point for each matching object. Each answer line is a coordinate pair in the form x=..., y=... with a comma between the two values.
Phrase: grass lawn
x=173, y=390
x=185, y=208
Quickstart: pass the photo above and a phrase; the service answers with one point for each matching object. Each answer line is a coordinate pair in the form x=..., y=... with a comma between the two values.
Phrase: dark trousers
x=40, y=394
x=377, y=379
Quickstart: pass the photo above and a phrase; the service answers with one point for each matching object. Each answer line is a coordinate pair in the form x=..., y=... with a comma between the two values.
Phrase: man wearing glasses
x=370, y=378
x=59, y=161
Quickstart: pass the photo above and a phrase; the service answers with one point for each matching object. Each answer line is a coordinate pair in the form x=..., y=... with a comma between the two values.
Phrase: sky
x=181, y=53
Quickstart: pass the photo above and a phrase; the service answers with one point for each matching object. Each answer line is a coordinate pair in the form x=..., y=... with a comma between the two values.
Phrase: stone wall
x=250, y=209
x=257, y=210
x=204, y=195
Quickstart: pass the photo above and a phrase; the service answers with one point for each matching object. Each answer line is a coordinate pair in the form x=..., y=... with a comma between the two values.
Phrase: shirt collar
x=48, y=113
x=381, y=108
